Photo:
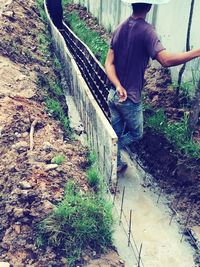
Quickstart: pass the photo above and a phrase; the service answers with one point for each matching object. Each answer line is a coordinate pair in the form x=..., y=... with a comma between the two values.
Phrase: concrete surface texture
x=170, y=21
x=150, y=225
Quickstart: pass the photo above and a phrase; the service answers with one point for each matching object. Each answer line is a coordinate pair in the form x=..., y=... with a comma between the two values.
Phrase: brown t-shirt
x=134, y=42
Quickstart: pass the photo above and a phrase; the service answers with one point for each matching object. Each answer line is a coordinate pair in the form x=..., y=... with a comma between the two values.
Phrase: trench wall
x=101, y=138
x=170, y=21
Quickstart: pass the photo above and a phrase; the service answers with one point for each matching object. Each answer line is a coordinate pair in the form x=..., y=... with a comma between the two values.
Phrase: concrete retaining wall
x=170, y=21
x=101, y=137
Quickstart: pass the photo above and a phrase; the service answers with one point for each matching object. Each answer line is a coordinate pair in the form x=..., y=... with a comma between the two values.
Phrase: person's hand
x=121, y=93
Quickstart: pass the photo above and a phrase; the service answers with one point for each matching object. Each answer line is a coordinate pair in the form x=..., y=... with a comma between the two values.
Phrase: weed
x=81, y=221
x=59, y=159
x=29, y=56
x=93, y=177
x=57, y=111
x=176, y=132
x=40, y=7
x=91, y=158
x=91, y=38
x=56, y=64
x=55, y=88
x=54, y=108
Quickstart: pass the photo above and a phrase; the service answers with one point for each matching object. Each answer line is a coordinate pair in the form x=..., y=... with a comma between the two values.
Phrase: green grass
x=80, y=221
x=59, y=159
x=94, y=177
x=176, y=132
x=91, y=158
x=51, y=84
x=91, y=38
x=40, y=7
x=56, y=110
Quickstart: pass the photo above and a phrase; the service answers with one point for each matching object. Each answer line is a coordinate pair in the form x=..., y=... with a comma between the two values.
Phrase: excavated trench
x=153, y=240
x=162, y=241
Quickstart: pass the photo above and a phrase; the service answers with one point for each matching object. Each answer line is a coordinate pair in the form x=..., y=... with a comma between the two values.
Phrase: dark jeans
x=128, y=115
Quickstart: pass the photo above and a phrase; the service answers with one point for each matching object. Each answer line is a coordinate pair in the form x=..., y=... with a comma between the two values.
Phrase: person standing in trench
x=133, y=43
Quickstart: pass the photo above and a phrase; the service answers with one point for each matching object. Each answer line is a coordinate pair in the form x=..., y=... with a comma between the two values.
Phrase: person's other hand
x=121, y=93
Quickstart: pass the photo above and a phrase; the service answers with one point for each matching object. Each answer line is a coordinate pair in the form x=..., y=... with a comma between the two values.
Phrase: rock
x=48, y=205
x=4, y=264
x=9, y=14
x=20, y=78
x=25, y=134
x=36, y=68
x=47, y=146
x=17, y=134
x=21, y=146
x=50, y=167
x=25, y=185
x=18, y=212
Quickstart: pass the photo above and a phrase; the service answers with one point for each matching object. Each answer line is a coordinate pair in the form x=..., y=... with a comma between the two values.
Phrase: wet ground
x=161, y=242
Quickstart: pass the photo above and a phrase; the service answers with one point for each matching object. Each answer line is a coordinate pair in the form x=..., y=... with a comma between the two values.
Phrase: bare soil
x=177, y=174
x=30, y=186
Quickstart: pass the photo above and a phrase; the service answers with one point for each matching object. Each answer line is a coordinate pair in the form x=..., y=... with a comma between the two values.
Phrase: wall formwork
x=101, y=137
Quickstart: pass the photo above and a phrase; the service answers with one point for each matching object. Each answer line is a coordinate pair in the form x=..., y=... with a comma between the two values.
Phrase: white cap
x=153, y=2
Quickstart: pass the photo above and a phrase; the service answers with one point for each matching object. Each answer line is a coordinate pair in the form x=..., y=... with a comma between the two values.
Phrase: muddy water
x=3, y=4
x=161, y=242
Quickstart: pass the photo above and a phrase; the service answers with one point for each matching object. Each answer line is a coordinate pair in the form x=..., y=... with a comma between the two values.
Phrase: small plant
x=54, y=108
x=40, y=7
x=91, y=158
x=59, y=159
x=93, y=177
x=57, y=111
x=81, y=221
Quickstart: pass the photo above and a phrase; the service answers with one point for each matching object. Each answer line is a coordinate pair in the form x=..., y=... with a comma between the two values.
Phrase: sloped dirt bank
x=30, y=184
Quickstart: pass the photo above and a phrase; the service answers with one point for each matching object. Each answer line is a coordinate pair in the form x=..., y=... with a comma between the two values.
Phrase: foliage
x=91, y=158
x=55, y=108
x=176, y=132
x=91, y=38
x=40, y=7
x=81, y=221
x=93, y=177
x=59, y=159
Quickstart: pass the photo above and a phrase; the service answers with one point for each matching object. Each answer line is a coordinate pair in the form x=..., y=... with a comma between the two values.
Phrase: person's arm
x=167, y=59
x=112, y=75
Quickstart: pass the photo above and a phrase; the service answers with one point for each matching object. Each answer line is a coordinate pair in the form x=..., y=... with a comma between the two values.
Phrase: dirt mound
x=31, y=185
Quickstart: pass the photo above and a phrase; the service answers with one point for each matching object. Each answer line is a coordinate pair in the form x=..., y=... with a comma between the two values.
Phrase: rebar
x=130, y=228
x=115, y=192
x=187, y=220
x=159, y=195
x=122, y=203
x=139, y=256
x=173, y=210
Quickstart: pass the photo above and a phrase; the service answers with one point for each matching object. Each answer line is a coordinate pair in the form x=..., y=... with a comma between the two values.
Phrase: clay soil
x=30, y=186
x=177, y=174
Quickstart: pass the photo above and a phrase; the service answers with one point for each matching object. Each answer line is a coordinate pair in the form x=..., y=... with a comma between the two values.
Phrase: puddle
x=161, y=242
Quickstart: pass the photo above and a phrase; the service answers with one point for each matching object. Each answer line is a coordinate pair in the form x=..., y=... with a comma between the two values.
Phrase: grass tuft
x=176, y=132
x=93, y=177
x=59, y=159
x=81, y=221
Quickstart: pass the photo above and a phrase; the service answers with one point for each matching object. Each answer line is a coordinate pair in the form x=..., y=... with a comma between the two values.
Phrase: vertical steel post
x=122, y=203
x=130, y=225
